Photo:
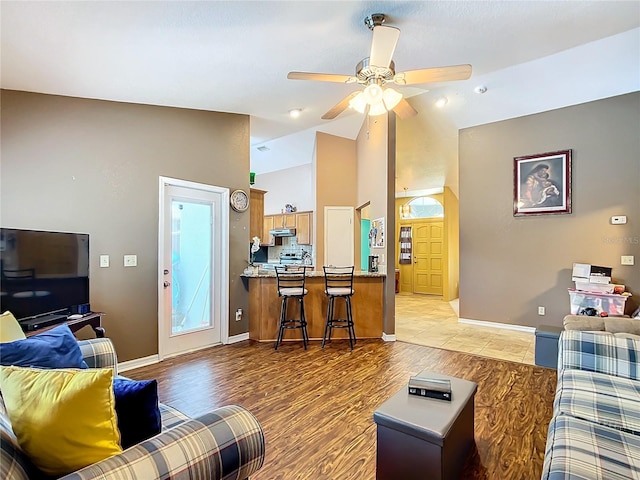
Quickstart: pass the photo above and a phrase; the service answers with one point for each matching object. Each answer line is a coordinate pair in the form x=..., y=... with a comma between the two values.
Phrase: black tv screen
x=42, y=272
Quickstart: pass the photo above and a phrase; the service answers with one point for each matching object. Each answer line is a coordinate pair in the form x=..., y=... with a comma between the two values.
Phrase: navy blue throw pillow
x=55, y=348
x=137, y=410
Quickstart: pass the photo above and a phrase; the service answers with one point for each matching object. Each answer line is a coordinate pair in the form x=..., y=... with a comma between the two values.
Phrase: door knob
x=166, y=284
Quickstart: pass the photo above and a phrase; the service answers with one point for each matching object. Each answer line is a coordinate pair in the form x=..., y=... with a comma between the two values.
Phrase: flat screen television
x=43, y=273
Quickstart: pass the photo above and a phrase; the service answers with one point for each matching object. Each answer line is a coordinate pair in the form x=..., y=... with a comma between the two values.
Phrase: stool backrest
x=338, y=280
x=291, y=280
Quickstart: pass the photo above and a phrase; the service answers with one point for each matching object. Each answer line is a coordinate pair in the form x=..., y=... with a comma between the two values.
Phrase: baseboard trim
x=238, y=338
x=504, y=326
x=389, y=337
x=137, y=363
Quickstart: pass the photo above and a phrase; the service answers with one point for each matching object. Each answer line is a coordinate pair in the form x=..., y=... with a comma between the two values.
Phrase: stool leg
x=283, y=316
x=328, y=322
x=350, y=328
x=303, y=323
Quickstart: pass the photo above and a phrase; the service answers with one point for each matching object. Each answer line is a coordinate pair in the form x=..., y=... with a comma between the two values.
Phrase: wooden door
x=428, y=256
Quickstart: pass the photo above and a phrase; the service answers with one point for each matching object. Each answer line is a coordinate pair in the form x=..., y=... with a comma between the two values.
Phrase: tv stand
x=93, y=319
x=39, y=323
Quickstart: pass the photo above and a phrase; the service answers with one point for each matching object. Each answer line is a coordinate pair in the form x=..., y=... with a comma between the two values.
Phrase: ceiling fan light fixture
x=391, y=98
x=373, y=93
x=358, y=103
x=377, y=109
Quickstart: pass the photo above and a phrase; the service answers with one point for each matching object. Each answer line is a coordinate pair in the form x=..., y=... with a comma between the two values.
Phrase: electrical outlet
x=238, y=315
x=619, y=220
x=626, y=260
x=541, y=310
x=130, y=260
x=104, y=261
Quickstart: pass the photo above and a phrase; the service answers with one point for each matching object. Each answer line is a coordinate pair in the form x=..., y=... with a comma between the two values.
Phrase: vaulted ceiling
x=233, y=56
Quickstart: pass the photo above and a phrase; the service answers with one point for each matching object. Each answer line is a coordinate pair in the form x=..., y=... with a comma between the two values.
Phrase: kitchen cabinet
x=284, y=220
x=256, y=213
x=267, y=225
x=304, y=228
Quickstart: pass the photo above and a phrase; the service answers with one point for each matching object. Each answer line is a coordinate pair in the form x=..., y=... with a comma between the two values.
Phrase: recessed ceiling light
x=441, y=102
x=295, y=112
x=480, y=89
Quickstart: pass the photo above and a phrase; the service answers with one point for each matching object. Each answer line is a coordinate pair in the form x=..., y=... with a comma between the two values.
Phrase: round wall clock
x=239, y=200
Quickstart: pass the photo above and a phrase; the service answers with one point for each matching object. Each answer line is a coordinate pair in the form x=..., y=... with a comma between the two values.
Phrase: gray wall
x=92, y=166
x=511, y=265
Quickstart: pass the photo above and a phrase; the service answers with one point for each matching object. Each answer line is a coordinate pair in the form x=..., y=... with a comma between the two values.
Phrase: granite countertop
x=313, y=273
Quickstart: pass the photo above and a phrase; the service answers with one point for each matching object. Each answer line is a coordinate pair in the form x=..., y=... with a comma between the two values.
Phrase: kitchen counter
x=265, y=304
x=309, y=273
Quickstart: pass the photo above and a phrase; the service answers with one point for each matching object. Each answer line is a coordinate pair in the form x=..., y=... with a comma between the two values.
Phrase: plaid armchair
x=226, y=443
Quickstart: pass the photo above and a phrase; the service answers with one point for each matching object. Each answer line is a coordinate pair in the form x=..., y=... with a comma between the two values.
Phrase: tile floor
x=429, y=320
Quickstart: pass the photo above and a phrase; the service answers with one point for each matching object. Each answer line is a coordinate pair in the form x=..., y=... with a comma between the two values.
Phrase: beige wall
x=452, y=229
x=336, y=174
x=294, y=185
x=376, y=154
x=511, y=265
x=92, y=166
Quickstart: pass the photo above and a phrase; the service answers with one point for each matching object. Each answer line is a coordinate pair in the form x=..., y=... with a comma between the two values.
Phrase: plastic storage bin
x=613, y=304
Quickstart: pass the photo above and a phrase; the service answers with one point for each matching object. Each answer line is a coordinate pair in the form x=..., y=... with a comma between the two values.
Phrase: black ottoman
x=420, y=438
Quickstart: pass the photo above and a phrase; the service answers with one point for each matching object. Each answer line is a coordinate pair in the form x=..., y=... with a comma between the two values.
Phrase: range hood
x=283, y=232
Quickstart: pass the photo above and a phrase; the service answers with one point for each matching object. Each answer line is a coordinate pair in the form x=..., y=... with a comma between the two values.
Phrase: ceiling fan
x=375, y=71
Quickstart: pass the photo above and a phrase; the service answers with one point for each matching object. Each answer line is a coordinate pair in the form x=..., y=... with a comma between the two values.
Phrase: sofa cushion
x=137, y=410
x=605, y=399
x=55, y=348
x=578, y=449
x=10, y=329
x=63, y=419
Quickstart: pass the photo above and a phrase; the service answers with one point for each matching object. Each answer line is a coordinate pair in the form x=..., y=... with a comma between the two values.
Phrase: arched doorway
x=422, y=257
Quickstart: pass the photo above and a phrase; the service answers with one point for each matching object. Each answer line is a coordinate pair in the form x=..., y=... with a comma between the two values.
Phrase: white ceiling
x=234, y=56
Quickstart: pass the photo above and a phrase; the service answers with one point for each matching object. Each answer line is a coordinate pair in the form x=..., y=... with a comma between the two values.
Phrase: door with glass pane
x=193, y=298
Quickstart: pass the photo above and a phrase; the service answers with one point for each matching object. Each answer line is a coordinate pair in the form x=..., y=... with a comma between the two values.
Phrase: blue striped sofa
x=227, y=443
x=595, y=430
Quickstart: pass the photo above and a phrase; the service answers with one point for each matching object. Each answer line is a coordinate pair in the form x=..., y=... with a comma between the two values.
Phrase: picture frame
x=542, y=184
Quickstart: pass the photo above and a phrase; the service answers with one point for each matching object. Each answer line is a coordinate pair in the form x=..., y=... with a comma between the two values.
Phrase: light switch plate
x=626, y=260
x=130, y=260
x=104, y=261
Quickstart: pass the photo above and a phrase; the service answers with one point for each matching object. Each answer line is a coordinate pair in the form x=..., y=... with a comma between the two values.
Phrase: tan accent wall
x=92, y=166
x=335, y=181
x=511, y=265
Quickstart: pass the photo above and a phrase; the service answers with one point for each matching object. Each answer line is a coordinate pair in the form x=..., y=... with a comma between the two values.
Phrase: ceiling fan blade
x=383, y=45
x=340, y=107
x=437, y=74
x=321, y=77
x=404, y=109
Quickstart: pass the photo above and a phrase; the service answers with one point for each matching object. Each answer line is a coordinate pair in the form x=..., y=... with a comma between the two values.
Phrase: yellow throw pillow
x=63, y=419
x=10, y=329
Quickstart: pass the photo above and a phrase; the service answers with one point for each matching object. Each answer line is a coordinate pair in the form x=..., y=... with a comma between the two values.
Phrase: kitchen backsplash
x=289, y=246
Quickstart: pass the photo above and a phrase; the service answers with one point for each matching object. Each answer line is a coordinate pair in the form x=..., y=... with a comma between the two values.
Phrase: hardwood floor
x=316, y=406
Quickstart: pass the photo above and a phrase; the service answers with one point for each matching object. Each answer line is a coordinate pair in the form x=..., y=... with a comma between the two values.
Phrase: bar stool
x=291, y=286
x=338, y=283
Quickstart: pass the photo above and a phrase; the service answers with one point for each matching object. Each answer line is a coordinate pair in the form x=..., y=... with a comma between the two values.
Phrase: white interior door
x=193, y=300
x=338, y=236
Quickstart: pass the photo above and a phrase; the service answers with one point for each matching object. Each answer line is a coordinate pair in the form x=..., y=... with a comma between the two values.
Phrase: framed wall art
x=542, y=184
